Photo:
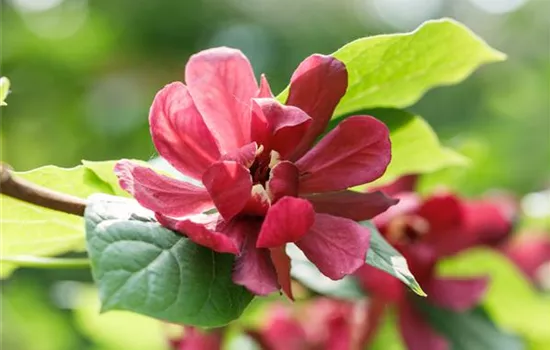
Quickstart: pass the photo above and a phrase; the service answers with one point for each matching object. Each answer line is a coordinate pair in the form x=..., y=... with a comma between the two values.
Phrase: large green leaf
x=29, y=230
x=511, y=301
x=384, y=257
x=4, y=89
x=415, y=146
x=105, y=171
x=469, y=330
x=396, y=70
x=143, y=267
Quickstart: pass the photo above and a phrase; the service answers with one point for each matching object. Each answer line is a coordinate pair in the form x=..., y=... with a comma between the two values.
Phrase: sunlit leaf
x=30, y=230
x=143, y=267
x=384, y=257
x=511, y=301
x=4, y=89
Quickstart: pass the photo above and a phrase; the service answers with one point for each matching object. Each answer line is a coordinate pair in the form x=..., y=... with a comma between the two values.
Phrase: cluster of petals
x=320, y=323
x=198, y=339
x=530, y=251
x=259, y=179
x=424, y=231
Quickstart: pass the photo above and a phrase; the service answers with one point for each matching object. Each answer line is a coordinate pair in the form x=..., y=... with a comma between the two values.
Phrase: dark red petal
x=356, y=152
x=265, y=89
x=281, y=261
x=316, y=87
x=259, y=202
x=408, y=204
x=161, y=193
x=350, y=204
x=337, y=246
x=286, y=125
x=417, y=333
x=253, y=268
x=244, y=155
x=405, y=183
x=207, y=230
x=230, y=185
x=198, y=339
x=222, y=83
x=529, y=252
x=283, y=181
x=458, y=294
x=179, y=132
x=380, y=284
x=286, y=221
x=486, y=221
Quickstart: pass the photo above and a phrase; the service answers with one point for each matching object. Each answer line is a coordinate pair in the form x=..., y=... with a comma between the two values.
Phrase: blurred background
x=84, y=73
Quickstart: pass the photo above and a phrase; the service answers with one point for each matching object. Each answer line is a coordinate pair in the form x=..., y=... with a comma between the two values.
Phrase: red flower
x=196, y=339
x=259, y=169
x=319, y=324
x=531, y=253
x=424, y=232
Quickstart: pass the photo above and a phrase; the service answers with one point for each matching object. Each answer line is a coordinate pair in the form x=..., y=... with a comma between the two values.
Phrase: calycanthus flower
x=260, y=170
x=424, y=231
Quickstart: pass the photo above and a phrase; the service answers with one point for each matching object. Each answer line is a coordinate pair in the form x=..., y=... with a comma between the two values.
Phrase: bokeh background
x=84, y=73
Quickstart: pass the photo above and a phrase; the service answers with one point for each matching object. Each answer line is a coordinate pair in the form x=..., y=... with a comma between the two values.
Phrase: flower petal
x=405, y=183
x=161, y=193
x=259, y=202
x=179, y=132
x=229, y=184
x=283, y=181
x=316, y=87
x=529, y=251
x=417, y=333
x=222, y=83
x=253, y=268
x=350, y=204
x=356, y=152
x=458, y=294
x=487, y=221
x=286, y=221
x=281, y=261
x=244, y=155
x=210, y=231
x=265, y=89
x=380, y=285
x=286, y=125
x=337, y=246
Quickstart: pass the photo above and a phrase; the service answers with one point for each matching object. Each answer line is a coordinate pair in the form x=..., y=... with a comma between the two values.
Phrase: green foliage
x=469, y=330
x=30, y=230
x=396, y=70
x=4, y=89
x=511, y=301
x=142, y=267
x=384, y=257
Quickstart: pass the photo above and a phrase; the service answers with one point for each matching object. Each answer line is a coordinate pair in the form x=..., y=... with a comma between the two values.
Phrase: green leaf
x=309, y=275
x=384, y=257
x=4, y=89
x=143, y=267
x=105, y=171
x=469, y=330
x=415, y=146
x=29, y=230
x=511, y=301
x=396, y=70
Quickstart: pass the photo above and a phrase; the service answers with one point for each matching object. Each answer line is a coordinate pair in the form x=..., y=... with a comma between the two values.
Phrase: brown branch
x=31, y=193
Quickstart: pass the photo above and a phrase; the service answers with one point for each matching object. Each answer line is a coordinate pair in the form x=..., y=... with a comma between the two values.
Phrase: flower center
x=407, y=229
x=260, y=171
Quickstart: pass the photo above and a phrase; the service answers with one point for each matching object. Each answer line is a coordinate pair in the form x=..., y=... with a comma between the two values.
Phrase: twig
x=31, y=193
